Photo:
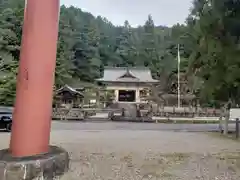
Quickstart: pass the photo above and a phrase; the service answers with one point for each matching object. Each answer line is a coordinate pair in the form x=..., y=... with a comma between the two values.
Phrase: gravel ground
x=146, y=155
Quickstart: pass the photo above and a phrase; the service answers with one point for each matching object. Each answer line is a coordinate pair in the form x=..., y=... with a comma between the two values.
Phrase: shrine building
x=129, y=84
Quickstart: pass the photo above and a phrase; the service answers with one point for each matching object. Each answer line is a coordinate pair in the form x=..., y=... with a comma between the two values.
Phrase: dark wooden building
x=69, y=96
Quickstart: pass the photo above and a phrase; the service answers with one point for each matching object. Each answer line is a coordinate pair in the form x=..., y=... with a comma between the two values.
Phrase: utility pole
x=179, y=93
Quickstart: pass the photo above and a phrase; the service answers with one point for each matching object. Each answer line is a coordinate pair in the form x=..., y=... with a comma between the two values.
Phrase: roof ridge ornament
x=127, y=74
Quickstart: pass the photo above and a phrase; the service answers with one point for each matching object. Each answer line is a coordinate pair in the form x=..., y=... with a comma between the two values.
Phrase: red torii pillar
x=33, y=107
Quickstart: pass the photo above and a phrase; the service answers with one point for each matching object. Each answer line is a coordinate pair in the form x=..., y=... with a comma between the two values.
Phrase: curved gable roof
x=127, y=74
x=70, y=89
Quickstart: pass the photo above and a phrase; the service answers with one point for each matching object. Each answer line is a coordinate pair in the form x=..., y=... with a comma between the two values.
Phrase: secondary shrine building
x=129, y=84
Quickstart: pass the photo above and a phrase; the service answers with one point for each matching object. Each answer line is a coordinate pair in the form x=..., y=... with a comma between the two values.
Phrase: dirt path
x=140, y=155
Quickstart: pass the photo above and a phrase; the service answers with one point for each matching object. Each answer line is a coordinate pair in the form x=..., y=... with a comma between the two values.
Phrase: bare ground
x=143, y=155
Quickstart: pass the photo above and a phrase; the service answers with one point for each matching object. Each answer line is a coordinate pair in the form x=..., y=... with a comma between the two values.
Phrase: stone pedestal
x=45, y=166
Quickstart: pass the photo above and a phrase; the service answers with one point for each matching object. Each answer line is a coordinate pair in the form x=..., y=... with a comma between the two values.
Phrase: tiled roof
x=70, y=89
x=120, y=74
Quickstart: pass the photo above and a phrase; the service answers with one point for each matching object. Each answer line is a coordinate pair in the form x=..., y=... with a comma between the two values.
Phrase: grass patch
x=188, y=121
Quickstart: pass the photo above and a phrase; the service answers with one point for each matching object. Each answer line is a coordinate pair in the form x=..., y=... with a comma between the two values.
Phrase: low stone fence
x=166, y=113
x=72, y=114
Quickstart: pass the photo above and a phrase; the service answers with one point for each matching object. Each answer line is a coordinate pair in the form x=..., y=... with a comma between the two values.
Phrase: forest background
x=209, y=49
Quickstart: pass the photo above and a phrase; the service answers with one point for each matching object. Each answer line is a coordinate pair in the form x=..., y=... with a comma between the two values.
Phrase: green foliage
x=214, y=34
x=209, y=48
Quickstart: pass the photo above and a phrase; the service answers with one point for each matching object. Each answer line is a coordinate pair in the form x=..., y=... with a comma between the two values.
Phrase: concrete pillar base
x=45, y=166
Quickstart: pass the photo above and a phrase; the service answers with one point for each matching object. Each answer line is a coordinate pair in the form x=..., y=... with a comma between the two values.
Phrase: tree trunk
x=226, y=121
x=158, y=108
x=228, y=106
x=226, y=125
x=221, y=124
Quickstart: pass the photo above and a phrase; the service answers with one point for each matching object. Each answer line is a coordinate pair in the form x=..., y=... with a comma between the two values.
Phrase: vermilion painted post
x=33, y=106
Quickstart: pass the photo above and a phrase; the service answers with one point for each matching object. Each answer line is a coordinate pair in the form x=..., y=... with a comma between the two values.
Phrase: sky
x=164, y=12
